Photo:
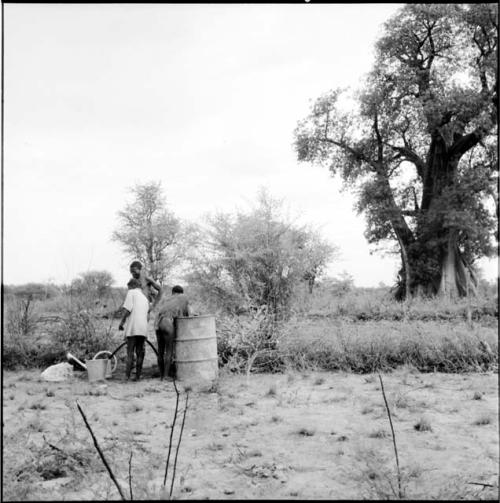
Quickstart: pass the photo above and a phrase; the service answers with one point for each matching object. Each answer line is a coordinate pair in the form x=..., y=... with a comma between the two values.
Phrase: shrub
x=249, y=341
x=84, y=334
x=21, y=316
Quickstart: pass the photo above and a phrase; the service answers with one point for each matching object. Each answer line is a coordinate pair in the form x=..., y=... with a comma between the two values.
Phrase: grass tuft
x=482, y=421
x=380, y=433
x=306, y=432
x=422, y=425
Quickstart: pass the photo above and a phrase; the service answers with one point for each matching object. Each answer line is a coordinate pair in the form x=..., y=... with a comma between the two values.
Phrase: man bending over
x=171, y=308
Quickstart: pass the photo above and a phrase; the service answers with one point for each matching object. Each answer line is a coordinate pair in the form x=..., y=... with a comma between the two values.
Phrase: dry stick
x=178, y=444
x=393, y=436
x=100, y=452
x=130, y=475
x=62, y=452
x=480, y=484
x=171, y=433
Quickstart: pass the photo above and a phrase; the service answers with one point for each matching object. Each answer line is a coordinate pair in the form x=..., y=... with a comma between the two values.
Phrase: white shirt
x=138, y=305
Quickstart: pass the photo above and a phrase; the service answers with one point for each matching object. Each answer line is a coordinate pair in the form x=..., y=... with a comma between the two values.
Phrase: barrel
x=196, y=348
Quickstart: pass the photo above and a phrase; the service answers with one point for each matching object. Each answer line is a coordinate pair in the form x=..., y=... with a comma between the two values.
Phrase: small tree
x=255, y=259
x=151, y=233
x=94, y=284
x=317, y=253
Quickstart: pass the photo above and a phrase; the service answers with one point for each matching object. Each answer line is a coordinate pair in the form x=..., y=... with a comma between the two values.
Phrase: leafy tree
x=151, y=233
x=92, y=284
x=419, y=143
x=255, y=259
x=316, y=254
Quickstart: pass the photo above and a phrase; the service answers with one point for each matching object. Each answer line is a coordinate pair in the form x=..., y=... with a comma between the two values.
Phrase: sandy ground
x=306, y=436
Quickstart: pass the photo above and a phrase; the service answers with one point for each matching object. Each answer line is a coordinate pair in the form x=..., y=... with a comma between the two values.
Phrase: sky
x=202, y=97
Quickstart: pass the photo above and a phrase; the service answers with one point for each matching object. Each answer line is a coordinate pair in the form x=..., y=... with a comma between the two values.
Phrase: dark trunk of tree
x=433, y=263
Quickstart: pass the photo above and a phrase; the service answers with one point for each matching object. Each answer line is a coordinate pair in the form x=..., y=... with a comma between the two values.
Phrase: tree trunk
x=310, y=283
x=441, y=267
x=449, y=285
x=457, y=277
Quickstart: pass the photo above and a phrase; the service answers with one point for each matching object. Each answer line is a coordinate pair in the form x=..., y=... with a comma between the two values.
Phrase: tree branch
x=411, y=156
x=466, y=142
x=359, y=156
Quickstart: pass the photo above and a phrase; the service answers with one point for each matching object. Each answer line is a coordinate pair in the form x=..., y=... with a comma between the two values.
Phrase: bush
x=22, y=352
x=21, y=316
x=249, y=341
x=84, y=334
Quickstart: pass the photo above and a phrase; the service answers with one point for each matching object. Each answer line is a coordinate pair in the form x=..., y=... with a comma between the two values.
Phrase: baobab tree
x=419, y=143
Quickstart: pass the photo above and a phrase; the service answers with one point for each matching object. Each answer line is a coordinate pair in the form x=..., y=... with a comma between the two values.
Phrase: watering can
x=97, y=369
x=109, y=368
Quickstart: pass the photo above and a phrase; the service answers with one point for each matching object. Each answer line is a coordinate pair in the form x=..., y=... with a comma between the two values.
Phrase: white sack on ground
x=58, y=372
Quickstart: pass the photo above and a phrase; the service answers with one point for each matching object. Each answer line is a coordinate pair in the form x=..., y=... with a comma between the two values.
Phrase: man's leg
x=130, y=356
x=166, y=332
x=140, y=340
x=169, y=354
x=160, y=339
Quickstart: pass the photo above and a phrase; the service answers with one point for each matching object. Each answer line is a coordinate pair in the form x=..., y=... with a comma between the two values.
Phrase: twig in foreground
x=171, y=432
x=393, y=436
x=130, y=476
x=480, y=484
x=113, y=478
x=179, y=443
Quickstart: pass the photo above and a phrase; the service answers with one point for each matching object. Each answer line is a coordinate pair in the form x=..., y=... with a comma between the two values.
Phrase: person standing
x=148, y=284
x=135, y=324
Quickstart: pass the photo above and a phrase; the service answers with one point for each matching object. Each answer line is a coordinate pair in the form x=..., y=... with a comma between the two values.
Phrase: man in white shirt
x=136, y=307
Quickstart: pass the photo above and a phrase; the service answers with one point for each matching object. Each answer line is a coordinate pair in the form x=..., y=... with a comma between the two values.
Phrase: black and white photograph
x=249, y=251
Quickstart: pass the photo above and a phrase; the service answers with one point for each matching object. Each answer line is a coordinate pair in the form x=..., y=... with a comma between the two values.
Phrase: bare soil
x=295, y=435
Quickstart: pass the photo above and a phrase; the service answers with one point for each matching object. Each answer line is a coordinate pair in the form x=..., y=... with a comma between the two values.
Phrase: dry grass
x=482, y=420
x=316, y=462
x=478, y=395
x=379, y=433
x=372, y=346
x=306, y=432
x=422, y=424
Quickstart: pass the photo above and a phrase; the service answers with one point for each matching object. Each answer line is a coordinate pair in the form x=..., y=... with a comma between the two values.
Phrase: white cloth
x=138, y=305
x=58, y=372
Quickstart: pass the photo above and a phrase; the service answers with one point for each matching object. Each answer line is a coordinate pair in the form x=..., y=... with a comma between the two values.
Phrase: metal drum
x=196, y=348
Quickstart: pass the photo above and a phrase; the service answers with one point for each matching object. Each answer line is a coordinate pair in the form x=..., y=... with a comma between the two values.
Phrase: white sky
x=203, y=97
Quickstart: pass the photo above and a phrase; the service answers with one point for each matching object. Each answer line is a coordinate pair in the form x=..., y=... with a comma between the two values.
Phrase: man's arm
x=157, y=287
x=126, y=314
x=190, y=311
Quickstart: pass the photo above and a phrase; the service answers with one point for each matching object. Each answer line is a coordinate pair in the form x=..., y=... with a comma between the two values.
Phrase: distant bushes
x=363, y=304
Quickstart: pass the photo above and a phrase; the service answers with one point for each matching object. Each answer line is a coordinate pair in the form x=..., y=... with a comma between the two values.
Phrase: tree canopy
x=148, y=231
x=256, y=258
x=419, y=142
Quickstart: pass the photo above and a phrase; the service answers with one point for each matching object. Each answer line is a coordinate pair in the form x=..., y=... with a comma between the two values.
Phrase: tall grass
x=358, y=330
x=384, y=345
